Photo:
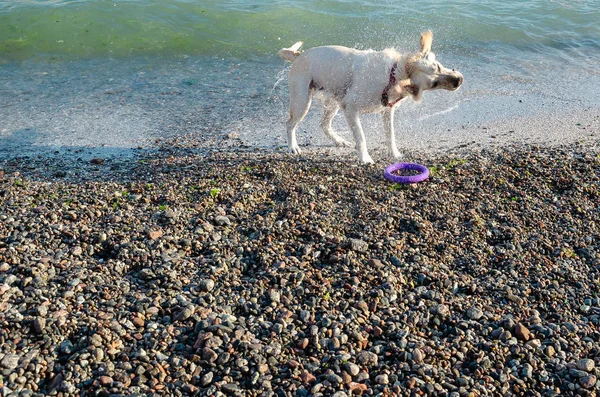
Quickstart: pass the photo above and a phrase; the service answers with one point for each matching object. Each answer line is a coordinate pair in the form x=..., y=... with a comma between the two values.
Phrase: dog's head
x=425, y=73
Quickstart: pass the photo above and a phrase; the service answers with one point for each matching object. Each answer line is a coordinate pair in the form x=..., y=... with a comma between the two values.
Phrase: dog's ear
x=426, y=40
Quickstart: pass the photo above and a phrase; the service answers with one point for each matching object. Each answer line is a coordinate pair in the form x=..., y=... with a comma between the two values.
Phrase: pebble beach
x=257, y=273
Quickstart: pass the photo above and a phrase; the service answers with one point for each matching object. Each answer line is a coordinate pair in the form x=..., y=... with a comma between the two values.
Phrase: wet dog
x=361, y=82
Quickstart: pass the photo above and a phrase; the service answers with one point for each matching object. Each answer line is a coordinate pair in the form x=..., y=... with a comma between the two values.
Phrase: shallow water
x=248, y=29
x=105, y=74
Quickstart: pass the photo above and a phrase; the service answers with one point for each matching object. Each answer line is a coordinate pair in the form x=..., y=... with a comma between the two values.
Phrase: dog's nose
x=458, y=81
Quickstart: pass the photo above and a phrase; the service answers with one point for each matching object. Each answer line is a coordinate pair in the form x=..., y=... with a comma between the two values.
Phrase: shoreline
x=178, y=271
x=113, y=107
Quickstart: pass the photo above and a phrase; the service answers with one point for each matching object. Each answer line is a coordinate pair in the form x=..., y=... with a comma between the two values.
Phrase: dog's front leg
x=388, y=126
x=352, y=117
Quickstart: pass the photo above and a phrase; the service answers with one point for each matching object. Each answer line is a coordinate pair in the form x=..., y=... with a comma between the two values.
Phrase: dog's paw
x=396, y=154
x=295, y=149
x=366, y=159
x=343, y=143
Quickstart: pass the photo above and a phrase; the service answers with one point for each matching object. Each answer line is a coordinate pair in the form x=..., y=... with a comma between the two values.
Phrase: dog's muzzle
x=457, y=81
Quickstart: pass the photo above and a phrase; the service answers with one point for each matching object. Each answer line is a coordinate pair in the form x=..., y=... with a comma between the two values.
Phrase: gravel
x=251, y=273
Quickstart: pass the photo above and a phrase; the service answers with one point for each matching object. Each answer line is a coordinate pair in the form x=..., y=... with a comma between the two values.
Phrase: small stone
x=376, y=264
x=169, y=214
x=307, y=377
x=515, y=299
x=550, y=352
x=10, y=361
x=521, y=332
x=206, y=378
x=346, y=378
x=462, y=382
x=334, y=379
x=382, y=379
x=155, y=234
x=358, y=245
x=97, y=160
x=527, y=371
x=303, y=343
x=209, y=355
x=358, y=388
x=147, y=274
x=534, y=343
x=588, y=382
x=474, y=313
x=576, y=373
x=228, y=318
x=571, y=327
x=98, y=354
x=208, y=227
x=66, y=347
x=206, y=285
x=304, y=316
x=367, y=358
x=230, y=388
x=161, y=357
x=275, y=296
x=440, y=310
x=105, y=381
x=418, y=356
x=10, y=280
x=138, y=322
x=362, y=305
x=339, y=394
x=362, y=377
x=352, y=368
x=56, y=381
x=586, y=364
x=184, y=314
x=39, y=325
x=222, y=220
x=223, y=358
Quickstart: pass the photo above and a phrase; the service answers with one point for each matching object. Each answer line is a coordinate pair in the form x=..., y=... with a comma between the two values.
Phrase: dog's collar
x=392, y=82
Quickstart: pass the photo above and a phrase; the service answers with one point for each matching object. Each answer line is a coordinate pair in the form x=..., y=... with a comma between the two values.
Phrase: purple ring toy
x=424, y=173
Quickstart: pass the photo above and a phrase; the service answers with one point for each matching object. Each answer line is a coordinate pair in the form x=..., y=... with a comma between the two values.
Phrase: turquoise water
x=101, y=28
x=100, y=73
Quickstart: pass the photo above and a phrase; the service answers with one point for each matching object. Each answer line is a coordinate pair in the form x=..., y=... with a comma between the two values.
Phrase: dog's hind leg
x=359, y=136
x=388, y=126
x=300, y=100
x=330, y=109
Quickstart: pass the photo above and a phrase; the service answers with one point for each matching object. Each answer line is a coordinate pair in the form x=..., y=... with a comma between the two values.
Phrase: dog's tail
x=289, y=54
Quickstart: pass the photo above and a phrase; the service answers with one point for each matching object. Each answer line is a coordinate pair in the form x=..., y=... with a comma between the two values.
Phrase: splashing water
x=280, y=77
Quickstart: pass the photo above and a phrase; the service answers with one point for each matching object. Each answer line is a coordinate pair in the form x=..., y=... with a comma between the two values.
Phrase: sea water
x=121, y=74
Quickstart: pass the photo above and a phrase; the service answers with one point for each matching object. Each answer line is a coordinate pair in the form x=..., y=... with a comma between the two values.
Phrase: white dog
x=360, y=82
